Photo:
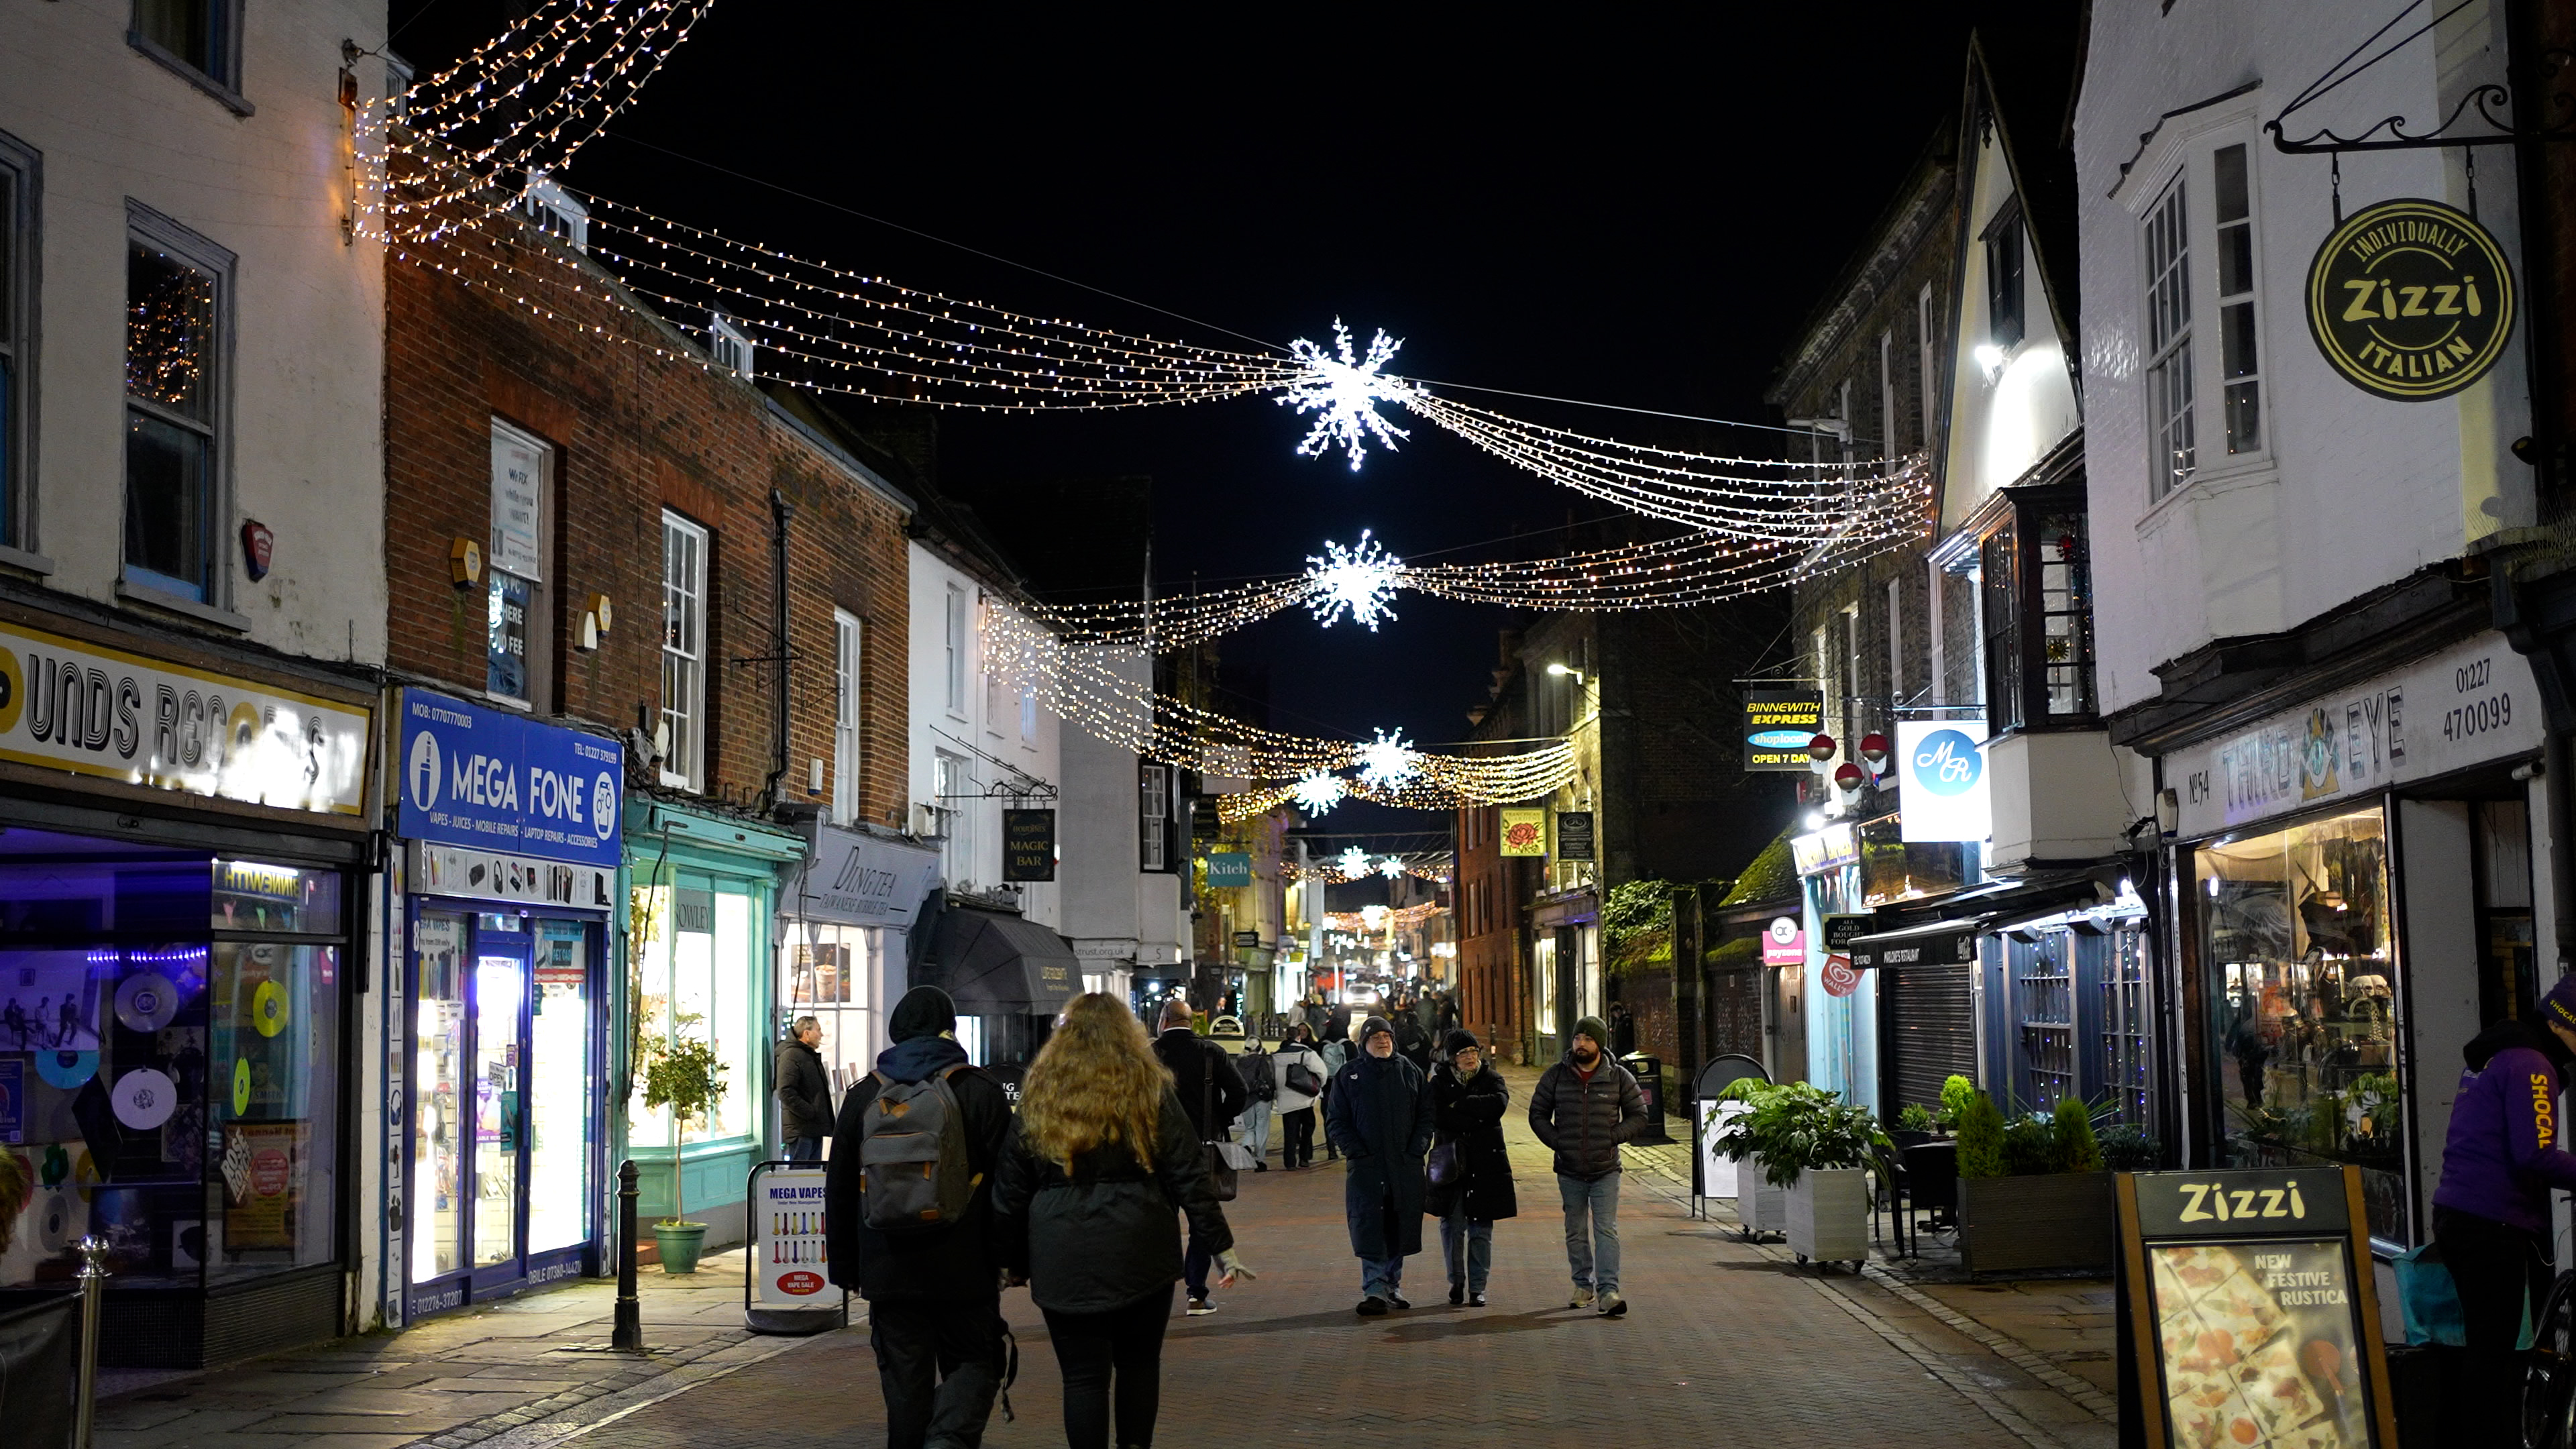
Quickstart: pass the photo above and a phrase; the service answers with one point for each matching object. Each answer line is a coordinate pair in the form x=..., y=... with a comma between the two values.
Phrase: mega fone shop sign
x=486, y=779
x=1228, y=868
x=2410, y=300
x=1028, y=845
x=2467, y=705
x=1778, y=723
x=2252, y=1308
x=1941, y=780
x=118, y=716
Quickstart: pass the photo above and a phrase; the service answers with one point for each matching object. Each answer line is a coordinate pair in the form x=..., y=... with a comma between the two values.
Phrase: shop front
x=2354, y=889
x=497, y=1011
x=702, y=893
x=843, y=926
x=1565, y=966
x=183, y=889
x=1009, y=976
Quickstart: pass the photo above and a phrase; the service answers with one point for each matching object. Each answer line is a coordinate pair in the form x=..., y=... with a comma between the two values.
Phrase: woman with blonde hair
x=1084, y=1204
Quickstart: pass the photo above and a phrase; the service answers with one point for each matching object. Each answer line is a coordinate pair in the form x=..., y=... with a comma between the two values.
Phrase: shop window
x=845, y=716
x=560, y=1087
x=684, y=653
x=18, y=170
x=178, y=293
x=2122, y=1027
x=2044, y=1021
x=2004, y=284
x=828, y=977
x=1543, y=974
x=177, y=1084
x=696, y=983
x=518, y=630
x=2169, y=379
x=2303, y=998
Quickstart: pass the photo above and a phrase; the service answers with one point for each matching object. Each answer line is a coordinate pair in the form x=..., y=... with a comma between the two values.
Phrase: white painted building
x=2293, y=621
x=980, y=741
x=192, y=631
x=1126, y=861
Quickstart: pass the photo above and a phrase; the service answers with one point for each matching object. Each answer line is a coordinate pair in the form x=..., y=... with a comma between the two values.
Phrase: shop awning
x=1941, y=943
x=997, y=964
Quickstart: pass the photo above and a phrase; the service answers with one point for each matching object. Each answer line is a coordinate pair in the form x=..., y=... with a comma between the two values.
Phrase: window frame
x=849, y=643
x=2004, y=242
x=22, y=195
x=2215, y=381
x=692, y=774
x=954, y=657
x=540, y=658
x=728, y=346
x=226, y=27
x=149, y=228
x=1154, y=819
x=2016, y=689
x=2156, y=268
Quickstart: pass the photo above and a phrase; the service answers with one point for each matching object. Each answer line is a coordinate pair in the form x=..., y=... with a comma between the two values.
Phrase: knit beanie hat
x=2559, y=1005
x=1593, y=1027
x=924, y=1011
x=1372, y=1027
x=1459, y=1040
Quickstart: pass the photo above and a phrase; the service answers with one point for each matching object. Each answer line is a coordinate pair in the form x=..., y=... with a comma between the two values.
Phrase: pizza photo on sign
x=2258, y=1346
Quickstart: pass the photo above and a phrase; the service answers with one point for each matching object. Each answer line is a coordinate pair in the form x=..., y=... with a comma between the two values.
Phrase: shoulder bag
x=1448, y=1159
x=1220, y=1167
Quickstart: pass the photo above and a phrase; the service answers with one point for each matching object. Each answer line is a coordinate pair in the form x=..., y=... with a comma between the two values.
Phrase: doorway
x=503, y=1103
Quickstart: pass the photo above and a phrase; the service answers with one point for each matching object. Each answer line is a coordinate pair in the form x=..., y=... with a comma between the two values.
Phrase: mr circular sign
x=2410, y=300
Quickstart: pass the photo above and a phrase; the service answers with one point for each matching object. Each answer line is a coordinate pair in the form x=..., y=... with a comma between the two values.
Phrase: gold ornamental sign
x=2411, y=300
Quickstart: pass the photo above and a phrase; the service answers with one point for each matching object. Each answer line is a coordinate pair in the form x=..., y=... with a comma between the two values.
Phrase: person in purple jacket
x=2491, y=1213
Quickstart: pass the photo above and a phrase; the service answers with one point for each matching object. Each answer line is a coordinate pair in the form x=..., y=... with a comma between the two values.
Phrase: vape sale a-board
x=789, y=1289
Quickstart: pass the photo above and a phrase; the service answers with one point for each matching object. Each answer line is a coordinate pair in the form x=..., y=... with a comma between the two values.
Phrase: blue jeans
x=1592, y=1230
x=1467, y=1245
x=1381, y=1277
x=804, y=1149
x=1256, y=1129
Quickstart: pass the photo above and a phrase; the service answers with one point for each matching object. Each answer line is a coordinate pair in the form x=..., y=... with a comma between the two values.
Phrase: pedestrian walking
x=1585, y=1106
x=1106, y=1150
x=1316, y=1014
x=1301, y=1074
x=1380, y=1117
x=1260, y=1073
x=804, y=1092
x=1212, y=1093
x=934, y=1292
x=1471, y=1170
x=1337, y=1023
x=1411, y=1042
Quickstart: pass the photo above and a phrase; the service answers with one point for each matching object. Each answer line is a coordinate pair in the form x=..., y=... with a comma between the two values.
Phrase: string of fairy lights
x=1355, y=863
x=445, y=163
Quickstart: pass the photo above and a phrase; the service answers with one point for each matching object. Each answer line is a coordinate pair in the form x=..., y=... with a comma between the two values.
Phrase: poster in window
x=518, y=495
x=263, y=1172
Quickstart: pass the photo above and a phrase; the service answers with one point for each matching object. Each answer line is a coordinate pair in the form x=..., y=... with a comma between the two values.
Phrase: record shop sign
x=2410, y=300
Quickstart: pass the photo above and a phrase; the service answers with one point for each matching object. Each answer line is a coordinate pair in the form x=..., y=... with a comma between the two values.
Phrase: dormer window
x=556, y=212
x=728, y=348
x=2004, y=290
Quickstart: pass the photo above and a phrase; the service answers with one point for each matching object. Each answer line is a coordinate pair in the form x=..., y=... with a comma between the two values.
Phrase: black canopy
x=996, y=964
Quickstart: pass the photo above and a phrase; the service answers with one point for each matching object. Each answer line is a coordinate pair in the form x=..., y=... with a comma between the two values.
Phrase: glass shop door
x=498, y=1010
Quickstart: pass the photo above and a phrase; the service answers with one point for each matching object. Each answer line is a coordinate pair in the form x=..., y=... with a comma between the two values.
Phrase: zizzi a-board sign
x=2251, y=1317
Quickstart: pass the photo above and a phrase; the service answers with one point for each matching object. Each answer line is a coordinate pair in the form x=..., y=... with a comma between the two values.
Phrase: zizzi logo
x=1946, y=763
x=2211, y=1202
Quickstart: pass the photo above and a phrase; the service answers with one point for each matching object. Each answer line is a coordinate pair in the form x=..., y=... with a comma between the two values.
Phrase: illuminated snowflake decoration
x=1391, y=867
x=1359, y=581
x=1318, y=792
x=1345, y=392
x=1387, y=761
x=1355, y=863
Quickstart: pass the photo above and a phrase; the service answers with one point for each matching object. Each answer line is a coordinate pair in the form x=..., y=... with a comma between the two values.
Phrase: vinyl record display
x=67, y=1070
x=56, y=1223
x=144, y=1098
x=268, y=1008
x=146, y=1001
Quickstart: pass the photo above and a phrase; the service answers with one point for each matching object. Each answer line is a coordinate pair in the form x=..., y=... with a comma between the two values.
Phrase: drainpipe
x=781, y=513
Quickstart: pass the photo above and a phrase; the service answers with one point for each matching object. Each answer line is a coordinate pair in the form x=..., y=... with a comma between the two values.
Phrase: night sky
x=1629, y=209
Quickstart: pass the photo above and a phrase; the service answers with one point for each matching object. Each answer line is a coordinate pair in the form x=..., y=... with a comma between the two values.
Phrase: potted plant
x=2033, y=1195
x=1759, y=1205
x=681, y=1073
x=1821, y=1152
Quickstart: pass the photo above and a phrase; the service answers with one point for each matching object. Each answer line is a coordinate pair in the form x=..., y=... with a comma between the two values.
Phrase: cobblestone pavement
x=1728, y=1342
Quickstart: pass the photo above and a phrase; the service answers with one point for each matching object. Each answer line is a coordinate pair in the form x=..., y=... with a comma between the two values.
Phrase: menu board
x=2252, y=1319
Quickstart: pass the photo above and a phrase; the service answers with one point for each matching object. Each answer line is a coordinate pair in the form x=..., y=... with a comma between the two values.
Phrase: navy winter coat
x=1379, y=1115
x=1470, y=1113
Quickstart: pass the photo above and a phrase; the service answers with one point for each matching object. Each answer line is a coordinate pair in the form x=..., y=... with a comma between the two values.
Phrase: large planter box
x=1829, y=1215
x=2058, y=1221
x=1762, y=1207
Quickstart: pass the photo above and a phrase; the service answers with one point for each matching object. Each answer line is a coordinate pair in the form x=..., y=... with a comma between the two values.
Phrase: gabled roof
x=2025, y=73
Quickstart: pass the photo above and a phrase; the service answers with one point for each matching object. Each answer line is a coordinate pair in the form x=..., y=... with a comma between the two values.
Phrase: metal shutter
x=1929, y=1017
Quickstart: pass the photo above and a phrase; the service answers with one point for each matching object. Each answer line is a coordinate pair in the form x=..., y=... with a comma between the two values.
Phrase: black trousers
x=1093, y=1348
x=940, y=1364
x=2495, y=1265
x=1301, y=1138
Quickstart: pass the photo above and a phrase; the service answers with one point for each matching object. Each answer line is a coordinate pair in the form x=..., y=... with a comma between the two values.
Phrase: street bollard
x=93, y=1291
x=629, y=1332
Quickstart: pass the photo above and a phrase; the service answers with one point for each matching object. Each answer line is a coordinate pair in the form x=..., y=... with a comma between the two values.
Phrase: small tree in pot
x=681, y=1073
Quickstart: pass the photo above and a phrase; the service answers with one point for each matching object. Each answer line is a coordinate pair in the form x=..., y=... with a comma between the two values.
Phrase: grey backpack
x=913, y=1168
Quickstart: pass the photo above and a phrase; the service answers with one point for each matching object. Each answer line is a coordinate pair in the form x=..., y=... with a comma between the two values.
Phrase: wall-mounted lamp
x=1991, y=358
x=1561, y=670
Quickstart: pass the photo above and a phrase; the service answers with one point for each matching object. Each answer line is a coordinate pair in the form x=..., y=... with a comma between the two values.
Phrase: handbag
x=1448, y=1163
x=1303, y=1081
x=1220, y=1165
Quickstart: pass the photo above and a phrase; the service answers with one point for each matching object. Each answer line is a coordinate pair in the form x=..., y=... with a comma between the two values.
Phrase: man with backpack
x=1212, y=1093
x=908, y=1205
x=1260, y=1073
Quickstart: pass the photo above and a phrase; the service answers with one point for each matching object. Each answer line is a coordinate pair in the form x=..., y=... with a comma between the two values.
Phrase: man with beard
x=1380, y=1116
x=1585, y=1106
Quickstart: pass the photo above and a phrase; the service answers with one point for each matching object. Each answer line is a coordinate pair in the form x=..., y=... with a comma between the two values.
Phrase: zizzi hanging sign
x=2410, y=300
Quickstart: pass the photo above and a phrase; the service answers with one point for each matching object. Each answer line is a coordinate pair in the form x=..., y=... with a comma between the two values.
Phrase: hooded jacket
x=1102, y=1235
x=2502, y=1158
x=1584, y=1121
x=929, y=1263
x=804, y=1093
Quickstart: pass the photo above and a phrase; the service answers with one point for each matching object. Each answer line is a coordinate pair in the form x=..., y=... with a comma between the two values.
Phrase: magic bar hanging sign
x=2410, y=300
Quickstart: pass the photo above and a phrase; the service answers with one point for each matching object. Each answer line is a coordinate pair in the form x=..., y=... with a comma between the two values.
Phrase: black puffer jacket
x=1585, y=1121
x=1103, y=1236
x=1470, y=1114
x=941, y=1263
x=804, y=1093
